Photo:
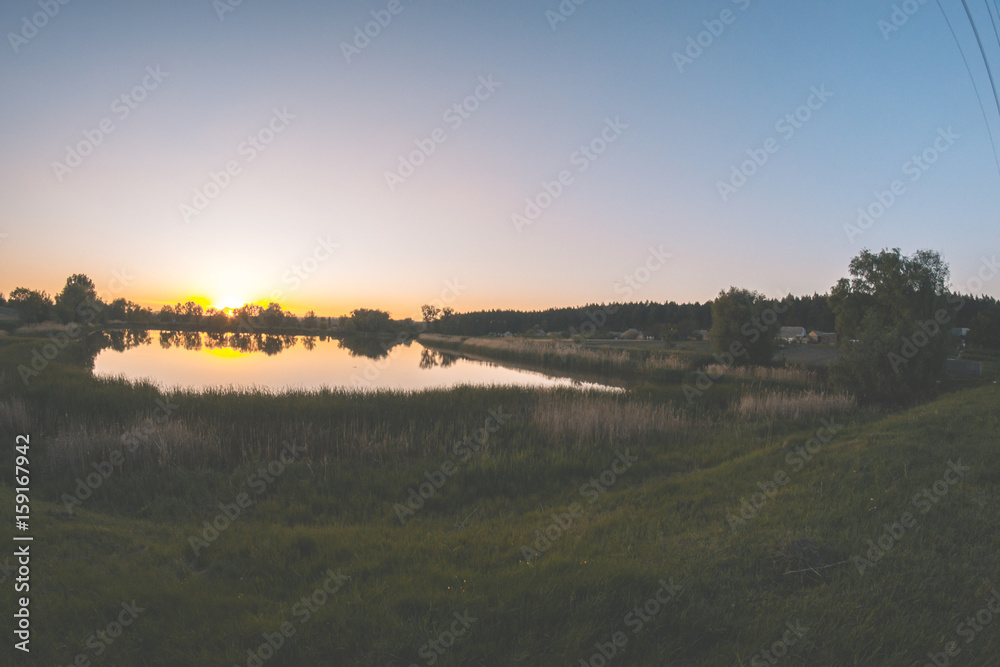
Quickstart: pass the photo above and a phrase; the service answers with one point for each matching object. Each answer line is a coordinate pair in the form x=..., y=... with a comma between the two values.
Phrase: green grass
x=664, y=518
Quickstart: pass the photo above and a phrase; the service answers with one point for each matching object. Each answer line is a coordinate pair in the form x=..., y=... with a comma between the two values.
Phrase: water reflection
x=370, y=347
x=247, y=343
x=201, y=360
x=430, y=358
x=119, y=341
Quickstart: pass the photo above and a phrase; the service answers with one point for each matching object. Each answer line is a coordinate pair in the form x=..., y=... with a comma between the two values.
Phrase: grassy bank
x=505, y=461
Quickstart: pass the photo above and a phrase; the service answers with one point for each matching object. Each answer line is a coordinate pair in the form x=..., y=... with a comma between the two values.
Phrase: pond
x=195, y=360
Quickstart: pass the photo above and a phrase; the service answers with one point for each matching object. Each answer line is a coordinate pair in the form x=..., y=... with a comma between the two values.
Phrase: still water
x=193, y=360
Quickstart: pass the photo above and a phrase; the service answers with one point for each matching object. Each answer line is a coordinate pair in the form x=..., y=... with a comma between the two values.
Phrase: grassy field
x=499, y=526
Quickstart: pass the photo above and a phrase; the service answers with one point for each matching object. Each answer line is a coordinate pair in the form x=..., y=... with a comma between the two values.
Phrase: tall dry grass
x=13, y=416
x=762, y=373
x=777, y=405
x=594, y=417
x=145, y=444
x=572, y=355
x=42, y=328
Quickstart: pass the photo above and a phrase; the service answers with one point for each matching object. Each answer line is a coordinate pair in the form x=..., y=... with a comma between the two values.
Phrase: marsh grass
x=570, y=356
x=590, y=417
x=665, y=518
x=13, y=416
x=776, y=374
x=779, y=405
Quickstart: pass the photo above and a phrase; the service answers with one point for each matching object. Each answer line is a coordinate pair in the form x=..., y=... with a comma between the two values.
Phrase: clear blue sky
x=343, y=125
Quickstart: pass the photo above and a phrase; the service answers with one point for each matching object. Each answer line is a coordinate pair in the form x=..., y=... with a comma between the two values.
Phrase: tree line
x=894, y=317
x=79, y=302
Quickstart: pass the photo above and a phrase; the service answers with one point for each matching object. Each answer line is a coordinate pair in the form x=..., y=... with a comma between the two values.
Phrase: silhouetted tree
x=744, y=324
x=985, y=331
x=31, y=305
x=366, y=320
x=78, y=302
x=898, y=311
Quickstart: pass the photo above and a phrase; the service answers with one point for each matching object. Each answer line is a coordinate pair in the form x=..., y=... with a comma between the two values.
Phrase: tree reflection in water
x=370, y=347
x=434, y=358
x=247, y=343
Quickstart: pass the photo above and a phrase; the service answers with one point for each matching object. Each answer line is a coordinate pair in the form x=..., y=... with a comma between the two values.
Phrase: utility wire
x=968, y=67
x=995, y=17
x=982, y=50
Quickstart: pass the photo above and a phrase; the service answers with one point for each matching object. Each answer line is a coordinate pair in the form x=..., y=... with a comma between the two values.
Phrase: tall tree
x=31, y=305
x=895, y=314
x=744, y=324
x=78, y=300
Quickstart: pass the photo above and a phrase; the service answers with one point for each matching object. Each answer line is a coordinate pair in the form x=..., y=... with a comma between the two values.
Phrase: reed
x=778, y=405
x=778, y=374
x=602, y=418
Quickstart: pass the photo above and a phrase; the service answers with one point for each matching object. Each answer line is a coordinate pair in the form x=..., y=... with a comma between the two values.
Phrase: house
x=825, y=337
x=700, y=334
x=960, y=333
x=792, y=334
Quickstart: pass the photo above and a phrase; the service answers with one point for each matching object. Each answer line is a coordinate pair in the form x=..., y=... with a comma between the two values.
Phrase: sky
x=392, y=153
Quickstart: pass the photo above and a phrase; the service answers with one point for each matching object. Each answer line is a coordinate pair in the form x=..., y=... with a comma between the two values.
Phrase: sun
x=229, y=302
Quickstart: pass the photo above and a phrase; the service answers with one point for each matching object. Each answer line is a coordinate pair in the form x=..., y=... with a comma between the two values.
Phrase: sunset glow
x=332, y=182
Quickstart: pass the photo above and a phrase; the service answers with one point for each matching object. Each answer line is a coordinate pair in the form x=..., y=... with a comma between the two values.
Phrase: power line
x=968, y=67
x=982, y=50
x=995, y=19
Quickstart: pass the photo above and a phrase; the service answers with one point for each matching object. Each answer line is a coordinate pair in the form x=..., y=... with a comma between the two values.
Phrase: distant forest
x=669, y=321
x=79, y=302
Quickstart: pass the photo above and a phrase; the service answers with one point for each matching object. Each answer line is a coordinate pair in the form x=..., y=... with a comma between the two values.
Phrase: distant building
x=960, y=333
x=700, y=334
x=792, y=334
x=825, y=337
